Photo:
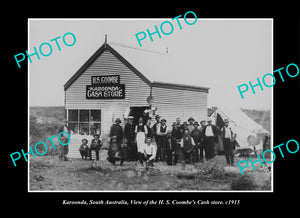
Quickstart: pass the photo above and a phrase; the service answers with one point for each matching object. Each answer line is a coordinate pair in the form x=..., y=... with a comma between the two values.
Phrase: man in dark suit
x=115, y=152
x=154, y=128
x=187, y=146
x=228, y=137
x=197, y=136
x=210, y=133
x=64, y=138
x=130, y=137
x=172, y=150
x=96, y=144
x=117, y=130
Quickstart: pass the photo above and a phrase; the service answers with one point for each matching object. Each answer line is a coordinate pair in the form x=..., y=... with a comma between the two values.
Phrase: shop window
x=84, y=122
x=95, y=128
x=73, y=127
x=96, y=115
x=84, y=115
x=73, y=115
x=84, y=129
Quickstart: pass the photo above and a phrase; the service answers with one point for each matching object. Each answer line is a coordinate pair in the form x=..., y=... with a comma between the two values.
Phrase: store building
x=107, y=87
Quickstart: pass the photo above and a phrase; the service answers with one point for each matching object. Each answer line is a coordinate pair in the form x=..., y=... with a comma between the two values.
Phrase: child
x=96, y=145
x=114, y=151
x=84, y=149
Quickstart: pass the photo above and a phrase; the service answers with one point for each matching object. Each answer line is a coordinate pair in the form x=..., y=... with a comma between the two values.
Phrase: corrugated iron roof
x=131, y=67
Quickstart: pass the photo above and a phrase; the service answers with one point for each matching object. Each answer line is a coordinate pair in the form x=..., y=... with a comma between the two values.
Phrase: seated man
x=147, y=153
x=114, y=151
x=187, y=146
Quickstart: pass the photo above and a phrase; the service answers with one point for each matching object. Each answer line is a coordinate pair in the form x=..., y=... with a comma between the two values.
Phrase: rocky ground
x=48, y=173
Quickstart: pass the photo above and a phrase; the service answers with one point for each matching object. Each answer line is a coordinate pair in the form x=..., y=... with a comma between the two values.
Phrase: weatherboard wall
x=173, y=103
x=136, y=92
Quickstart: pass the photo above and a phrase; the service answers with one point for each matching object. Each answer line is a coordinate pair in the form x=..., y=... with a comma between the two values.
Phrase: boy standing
x=96, y=145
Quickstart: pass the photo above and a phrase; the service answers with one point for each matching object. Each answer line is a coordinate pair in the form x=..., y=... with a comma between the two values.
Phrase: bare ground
x=48, y=173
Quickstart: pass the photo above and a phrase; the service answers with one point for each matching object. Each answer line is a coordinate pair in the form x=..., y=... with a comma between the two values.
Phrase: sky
x=216, y=53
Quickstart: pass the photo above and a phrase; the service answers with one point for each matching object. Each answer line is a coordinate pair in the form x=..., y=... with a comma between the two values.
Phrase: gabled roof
x=104, y=47
x=95, y=56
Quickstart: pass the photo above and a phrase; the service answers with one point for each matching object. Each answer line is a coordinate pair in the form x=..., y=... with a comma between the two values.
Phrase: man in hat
x=187, y=146
x=210, y=133
x=130, y=137
x=154, y=128
x=162, y=139
x=176, y=132
x=202, y=125
x=202, y=143
x=228, y=137
x=184, y=126
x=64, y=138
x=190, y=125
x=117, y=130
x=176, y=136
x=197, y=136
x=178, y=123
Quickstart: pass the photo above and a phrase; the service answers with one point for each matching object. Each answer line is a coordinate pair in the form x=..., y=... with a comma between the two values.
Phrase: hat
x=163, y=120
x=84, y=140
x=186, y=129
x=226, y=121
x=209, y=119
x=118, y=120
x=157, y=116
x=149, y=137
x=96, y=135
x=196, y=123
x=130, y=117
x=114, y=138
x=202, y=121
x=191, y=118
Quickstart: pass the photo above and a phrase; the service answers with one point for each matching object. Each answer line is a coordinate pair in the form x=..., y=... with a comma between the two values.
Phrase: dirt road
x=49, y=173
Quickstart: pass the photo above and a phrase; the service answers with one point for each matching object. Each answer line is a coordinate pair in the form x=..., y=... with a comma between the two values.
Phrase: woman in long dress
x=141, y=132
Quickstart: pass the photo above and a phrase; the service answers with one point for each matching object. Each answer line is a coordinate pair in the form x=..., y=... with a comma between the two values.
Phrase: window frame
x=89, y=122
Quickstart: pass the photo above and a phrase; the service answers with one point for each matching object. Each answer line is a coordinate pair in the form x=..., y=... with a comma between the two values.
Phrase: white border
x=143, y=191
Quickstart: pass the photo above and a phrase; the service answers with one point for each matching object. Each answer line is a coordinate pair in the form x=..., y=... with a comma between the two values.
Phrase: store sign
x=112, y=79
x=105, y=87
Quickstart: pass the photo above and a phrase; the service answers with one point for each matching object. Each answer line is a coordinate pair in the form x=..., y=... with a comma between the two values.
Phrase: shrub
x=242, y=183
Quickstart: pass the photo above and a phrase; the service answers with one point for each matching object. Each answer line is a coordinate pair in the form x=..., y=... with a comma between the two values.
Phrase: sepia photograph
x=150, y=105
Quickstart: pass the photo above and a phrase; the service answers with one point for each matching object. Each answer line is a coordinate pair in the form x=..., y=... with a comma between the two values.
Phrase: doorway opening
x=138, y=112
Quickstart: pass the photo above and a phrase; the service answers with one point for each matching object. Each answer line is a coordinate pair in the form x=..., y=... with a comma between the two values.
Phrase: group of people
x=188, y=141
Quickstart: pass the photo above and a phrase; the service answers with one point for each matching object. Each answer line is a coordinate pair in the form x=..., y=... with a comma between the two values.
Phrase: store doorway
x=138, y=112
